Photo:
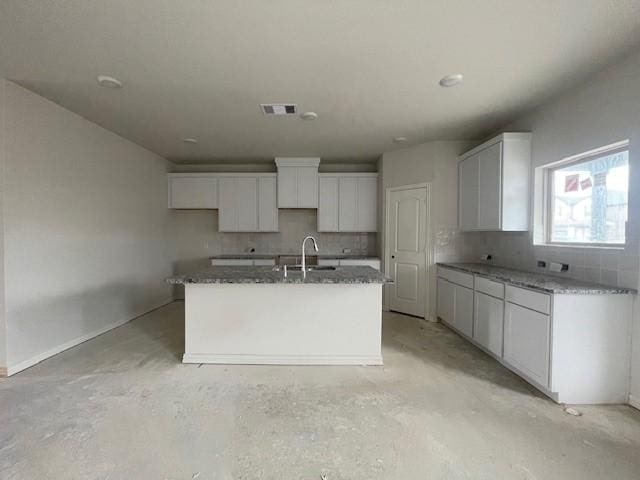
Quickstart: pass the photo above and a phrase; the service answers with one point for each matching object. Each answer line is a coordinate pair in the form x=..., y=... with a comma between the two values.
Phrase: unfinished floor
x=122, y=406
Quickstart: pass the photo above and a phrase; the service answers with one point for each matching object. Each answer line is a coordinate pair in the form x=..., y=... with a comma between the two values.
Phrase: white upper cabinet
x=327, y=204
x=267, y=204
x=247, y=203
x=192, y=191
x=493, y=187
x=348, y=202
x=297, y=182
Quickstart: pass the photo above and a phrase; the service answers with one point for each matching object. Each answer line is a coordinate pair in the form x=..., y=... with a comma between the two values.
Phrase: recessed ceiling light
x=309, y=116
x=399, y=139
x=190, y=140
x=109, y=82
x=451, y=80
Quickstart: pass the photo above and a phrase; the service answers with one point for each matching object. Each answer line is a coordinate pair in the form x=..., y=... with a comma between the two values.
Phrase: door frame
x=427, y=248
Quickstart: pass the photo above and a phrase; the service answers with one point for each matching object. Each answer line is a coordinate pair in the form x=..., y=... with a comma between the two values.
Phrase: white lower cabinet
x=572, y=347
x=243, y=262
x=463, y=310
x=527, y=342
x=455, y=306
x=488, y=320
x=446, y=297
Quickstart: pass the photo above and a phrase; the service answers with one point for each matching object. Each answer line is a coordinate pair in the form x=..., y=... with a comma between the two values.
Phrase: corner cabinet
x=297, y=182
x=494, y=186
x=347, y=202
x=192, y=191
x=246, y=202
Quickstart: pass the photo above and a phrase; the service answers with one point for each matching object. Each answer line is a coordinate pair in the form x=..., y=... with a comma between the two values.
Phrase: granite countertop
x=262, y=256
x=537, y=281
x=269, y=275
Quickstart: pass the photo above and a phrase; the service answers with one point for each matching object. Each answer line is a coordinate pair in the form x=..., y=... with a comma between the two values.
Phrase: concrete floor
x=122, y=406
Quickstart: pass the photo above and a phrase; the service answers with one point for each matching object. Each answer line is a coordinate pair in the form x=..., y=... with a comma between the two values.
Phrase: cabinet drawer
x=540, y=302
x=231, y=262
x=454, y=276
x=264, y=262
x=373, y=263
x=484, y=285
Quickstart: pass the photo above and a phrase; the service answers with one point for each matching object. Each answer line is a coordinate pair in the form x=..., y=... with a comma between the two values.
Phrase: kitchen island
x=260, y=315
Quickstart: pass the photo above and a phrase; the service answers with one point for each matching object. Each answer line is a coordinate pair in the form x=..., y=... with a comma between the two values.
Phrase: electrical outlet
x=486, y=257
x=558, y=267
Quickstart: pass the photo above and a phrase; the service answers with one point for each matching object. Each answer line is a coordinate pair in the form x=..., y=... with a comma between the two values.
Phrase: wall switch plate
x=558, y=267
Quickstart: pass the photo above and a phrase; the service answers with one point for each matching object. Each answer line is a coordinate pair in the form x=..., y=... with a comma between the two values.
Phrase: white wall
x=3, y=325
x=603, y=111
x=435, y=163
x=85, y=228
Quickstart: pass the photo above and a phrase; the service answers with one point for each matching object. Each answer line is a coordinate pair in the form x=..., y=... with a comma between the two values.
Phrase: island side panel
x=288, y=324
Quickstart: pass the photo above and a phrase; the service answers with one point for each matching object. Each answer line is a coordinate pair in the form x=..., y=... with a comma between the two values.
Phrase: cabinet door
x=468, y=193
x=348, y=204
x=247, y=204
x=328, y=204
x=228, y=212
x=488, y=320
x=267, y=204
x=307, y=187
x=287, y=187
x=445, y=300
x=489, y=187
x=367, y=188
x=463, y=310
x=526, y=342
x=193, y=192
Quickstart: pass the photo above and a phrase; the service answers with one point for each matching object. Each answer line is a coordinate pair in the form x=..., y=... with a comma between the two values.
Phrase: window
x=587, y=198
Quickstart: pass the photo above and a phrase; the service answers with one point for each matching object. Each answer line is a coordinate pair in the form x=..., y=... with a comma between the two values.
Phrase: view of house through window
x=588, y=199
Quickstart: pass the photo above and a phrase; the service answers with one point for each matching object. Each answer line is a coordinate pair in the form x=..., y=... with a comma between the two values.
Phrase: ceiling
x=369, y=68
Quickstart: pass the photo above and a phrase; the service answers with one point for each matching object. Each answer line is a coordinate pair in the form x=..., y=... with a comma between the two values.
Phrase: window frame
x=549, y=188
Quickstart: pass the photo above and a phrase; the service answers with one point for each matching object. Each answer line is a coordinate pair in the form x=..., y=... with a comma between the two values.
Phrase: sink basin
x=298, y=268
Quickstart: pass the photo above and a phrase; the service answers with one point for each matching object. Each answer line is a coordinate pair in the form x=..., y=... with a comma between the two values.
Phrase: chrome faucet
x=315, y=247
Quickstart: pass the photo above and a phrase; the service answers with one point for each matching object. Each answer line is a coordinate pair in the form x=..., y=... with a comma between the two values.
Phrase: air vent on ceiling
x=278, y=108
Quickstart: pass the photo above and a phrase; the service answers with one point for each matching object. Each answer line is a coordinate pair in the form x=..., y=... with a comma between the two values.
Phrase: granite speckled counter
x=536, y=281
x=249, y=274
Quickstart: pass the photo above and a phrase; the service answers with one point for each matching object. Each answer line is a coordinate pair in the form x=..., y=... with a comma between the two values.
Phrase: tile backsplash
x=516, y=250
x=198, y=238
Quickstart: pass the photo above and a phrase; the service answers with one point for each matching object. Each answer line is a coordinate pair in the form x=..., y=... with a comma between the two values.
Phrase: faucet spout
x=315, y=247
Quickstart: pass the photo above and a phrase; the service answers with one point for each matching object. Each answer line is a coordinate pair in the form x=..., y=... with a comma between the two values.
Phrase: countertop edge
x=595, y=289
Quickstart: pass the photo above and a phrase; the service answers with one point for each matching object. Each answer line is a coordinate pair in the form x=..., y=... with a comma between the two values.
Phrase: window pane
x=589, y=200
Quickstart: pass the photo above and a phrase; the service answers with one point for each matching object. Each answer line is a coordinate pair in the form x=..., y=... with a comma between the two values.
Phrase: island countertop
x=537, y=281
x=266, y=274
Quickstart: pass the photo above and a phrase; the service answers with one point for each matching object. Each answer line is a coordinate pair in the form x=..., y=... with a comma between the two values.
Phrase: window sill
x=581, y=245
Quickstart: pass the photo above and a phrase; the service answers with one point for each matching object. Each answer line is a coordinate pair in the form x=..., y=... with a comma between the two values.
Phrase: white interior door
x=407, y=243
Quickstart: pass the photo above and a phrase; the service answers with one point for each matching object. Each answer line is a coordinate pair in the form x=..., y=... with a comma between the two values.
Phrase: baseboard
x=282, y=359
x=634, y=402
x=30, y=362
